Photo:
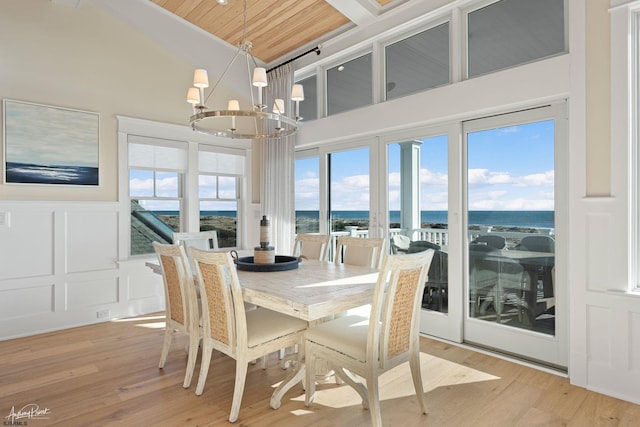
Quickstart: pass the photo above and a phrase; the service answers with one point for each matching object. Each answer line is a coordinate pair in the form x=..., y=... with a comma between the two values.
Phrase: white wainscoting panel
x=599, y=266
x=96, y=292
x=60, y=267
x=26, y=301
x=26, y=246
x=92, y=241
x=599, y=340
x=634, y=342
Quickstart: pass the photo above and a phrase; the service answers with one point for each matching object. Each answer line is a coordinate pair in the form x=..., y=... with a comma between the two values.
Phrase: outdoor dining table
x=530, y=262
x=312, y=292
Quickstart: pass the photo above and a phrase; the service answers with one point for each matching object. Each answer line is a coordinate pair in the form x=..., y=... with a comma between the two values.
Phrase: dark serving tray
x=282, y=263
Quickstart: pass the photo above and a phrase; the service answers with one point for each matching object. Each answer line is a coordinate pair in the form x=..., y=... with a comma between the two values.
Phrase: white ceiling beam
x=360, y=12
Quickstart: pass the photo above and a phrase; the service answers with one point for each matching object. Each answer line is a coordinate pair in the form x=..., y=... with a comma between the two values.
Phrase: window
x=418, y=63
x=156, y=188
x=307, y=193
x=349, y=85
x=512, y=32
x=309, y=107
x=219, y=194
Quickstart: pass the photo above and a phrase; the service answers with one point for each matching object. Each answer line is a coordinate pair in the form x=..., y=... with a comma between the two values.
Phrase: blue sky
x=510, y=168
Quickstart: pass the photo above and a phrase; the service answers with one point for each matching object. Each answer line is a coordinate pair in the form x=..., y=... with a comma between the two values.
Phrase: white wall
x=62, y=257
x=59, y=268
x=605, y=312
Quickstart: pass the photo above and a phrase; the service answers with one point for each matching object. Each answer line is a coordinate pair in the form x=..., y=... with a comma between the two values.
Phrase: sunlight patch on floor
x=149, y=322
x=152, y=325
x=301, y=412
x=397, y=383
x=139, y=319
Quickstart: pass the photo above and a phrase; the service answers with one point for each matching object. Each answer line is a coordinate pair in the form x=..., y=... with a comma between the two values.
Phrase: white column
x=410, y=184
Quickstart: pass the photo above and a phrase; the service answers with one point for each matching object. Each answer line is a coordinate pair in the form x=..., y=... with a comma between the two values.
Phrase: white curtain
x=277, y=189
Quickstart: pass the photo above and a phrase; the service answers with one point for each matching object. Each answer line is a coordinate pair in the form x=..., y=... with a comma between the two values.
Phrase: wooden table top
x=314, y=290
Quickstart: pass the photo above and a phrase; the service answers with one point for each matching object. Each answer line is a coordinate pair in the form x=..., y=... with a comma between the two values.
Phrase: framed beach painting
x=49, y=145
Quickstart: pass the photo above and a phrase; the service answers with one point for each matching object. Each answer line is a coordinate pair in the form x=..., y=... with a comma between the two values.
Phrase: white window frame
x=625, y=108
x=395, y=38
x=165, y=131
x=464, y=26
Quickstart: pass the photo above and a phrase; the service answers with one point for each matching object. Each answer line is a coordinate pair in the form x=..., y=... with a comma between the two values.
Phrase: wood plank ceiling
x=275, y=27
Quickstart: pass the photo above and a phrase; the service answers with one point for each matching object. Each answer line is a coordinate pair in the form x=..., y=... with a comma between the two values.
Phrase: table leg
x=296, y=376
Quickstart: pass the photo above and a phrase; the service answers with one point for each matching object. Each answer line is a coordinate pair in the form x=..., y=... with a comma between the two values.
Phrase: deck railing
x=439, y=236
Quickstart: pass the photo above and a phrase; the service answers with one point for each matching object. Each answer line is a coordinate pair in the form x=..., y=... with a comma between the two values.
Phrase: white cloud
x=433, y=178
x=537, y=179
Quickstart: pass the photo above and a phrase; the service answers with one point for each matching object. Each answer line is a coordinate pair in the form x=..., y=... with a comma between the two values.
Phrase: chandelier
x=234, y=122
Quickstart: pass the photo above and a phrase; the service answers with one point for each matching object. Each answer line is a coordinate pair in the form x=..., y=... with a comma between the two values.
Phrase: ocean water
x=533, y=219
x=26, y=173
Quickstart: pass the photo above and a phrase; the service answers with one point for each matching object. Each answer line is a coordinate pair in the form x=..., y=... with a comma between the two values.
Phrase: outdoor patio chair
x=494, y=280
x=494, y=241
x=400, y=244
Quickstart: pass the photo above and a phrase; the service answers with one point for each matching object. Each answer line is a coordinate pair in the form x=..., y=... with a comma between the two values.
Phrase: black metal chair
x=436, y=287
x=492, y=240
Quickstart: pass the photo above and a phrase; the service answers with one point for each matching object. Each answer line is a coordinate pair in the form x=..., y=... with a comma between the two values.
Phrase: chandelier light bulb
x=260, y=77
x=193, y=96
x=200, y=78
x=297, y=92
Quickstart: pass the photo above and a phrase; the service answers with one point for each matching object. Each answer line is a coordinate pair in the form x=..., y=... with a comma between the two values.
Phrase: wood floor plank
x=107, y=375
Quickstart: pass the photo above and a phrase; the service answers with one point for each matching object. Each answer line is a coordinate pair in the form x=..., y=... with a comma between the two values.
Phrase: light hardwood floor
x=107, y=375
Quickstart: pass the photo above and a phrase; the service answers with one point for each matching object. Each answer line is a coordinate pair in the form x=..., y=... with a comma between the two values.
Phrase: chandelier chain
x=244, y=21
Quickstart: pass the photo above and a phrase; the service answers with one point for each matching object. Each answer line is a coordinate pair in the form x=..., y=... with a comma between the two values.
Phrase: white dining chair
x=370, y=346
x=198, y=239
x=311, y=246
x=182, y=311
x=360, y=251
x=228, y=328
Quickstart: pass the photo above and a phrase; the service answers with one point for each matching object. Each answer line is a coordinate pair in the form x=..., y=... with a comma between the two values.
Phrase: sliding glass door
x=511, y=302
x=418, y=216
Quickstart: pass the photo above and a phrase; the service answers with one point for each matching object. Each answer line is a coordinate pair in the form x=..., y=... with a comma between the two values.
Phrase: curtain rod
x=315, y=49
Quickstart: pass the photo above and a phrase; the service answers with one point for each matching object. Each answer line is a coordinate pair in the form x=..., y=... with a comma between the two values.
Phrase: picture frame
x=50, y=145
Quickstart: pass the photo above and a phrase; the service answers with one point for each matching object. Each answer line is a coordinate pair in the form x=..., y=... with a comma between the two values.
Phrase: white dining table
x=312, y=292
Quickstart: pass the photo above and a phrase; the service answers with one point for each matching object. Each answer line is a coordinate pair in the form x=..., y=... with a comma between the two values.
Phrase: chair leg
x=346, y=376
x=374, y=400
x=414, y=363
x=204, y=367
x=238, y=388
x=168, y=334
x=191, y=360
x=310, y=380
